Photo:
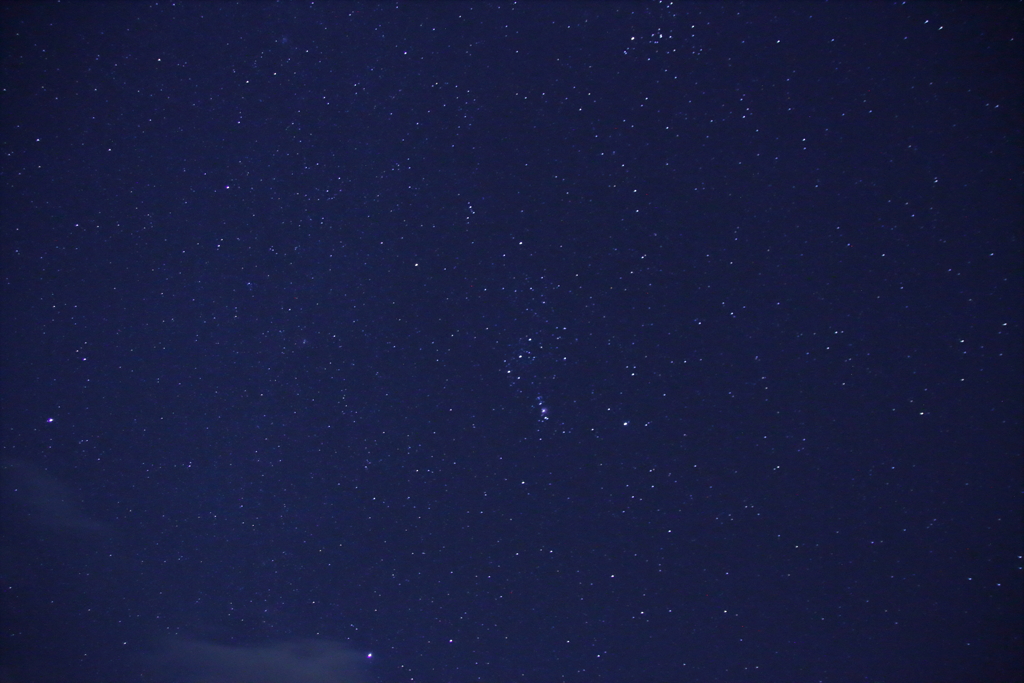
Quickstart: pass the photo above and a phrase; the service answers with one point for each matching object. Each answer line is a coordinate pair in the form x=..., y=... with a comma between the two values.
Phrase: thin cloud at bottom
x=298, y=661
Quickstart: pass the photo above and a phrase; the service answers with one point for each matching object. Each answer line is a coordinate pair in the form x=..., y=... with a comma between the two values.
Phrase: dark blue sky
x=547, y=342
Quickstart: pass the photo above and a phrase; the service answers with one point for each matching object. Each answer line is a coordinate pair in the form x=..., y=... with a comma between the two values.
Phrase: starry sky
x=551, y=342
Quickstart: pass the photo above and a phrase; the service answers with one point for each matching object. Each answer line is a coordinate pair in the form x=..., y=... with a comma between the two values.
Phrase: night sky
x=540, y=342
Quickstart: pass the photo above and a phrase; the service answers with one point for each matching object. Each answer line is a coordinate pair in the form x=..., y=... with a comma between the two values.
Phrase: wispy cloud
x=300, y=661
x=34, y=497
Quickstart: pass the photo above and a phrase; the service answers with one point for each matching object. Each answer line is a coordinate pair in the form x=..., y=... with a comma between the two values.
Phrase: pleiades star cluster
x=551, y=342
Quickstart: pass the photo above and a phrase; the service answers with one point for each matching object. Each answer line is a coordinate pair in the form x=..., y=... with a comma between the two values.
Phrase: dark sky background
x=547, y=342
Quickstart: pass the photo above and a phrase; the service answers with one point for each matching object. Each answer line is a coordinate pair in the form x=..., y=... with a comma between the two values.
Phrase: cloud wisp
x=299, y=661
x=40, y=499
